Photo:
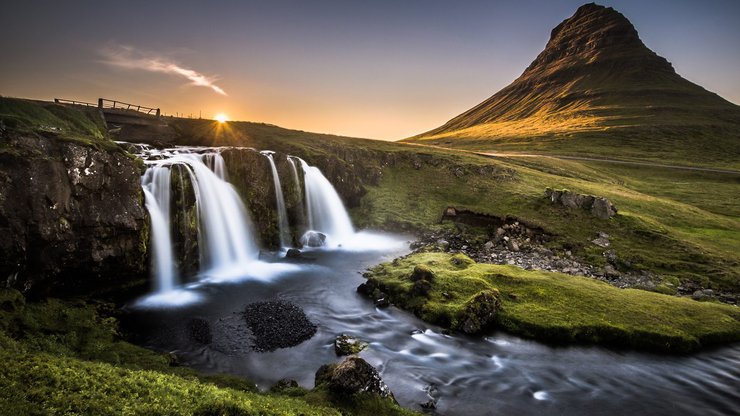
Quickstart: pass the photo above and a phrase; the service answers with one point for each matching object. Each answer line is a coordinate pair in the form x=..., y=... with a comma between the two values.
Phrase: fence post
x=100, y=103
x=158, y=112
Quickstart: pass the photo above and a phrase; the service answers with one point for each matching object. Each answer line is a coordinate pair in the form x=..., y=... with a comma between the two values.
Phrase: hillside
x=597, y=90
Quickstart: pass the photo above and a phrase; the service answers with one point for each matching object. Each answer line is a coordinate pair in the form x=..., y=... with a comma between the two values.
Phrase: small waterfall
x=156, y=186
x=324, y=208
x=296, y=179
x=283, y=227
x=225, y=237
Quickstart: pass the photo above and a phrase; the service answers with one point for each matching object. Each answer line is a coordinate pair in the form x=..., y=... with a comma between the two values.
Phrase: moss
x=559, y=308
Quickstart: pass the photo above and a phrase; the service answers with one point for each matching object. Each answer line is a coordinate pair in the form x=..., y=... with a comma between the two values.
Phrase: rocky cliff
x=71, y=215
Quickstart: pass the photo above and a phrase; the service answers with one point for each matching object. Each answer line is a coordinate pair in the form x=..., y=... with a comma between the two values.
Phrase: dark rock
x=199, y=331
x=72, y=218
x=284, y=384
x=313, y=239
x=598, y=206
x=293, y=253
x=347, y=345
x=429, y=405
x=479, y=313
x=603, y=209
x=351, y=376
x=421, y=288
x=277, y=324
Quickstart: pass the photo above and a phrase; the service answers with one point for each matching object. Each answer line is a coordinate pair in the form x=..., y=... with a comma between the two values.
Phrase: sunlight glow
x=221, y=118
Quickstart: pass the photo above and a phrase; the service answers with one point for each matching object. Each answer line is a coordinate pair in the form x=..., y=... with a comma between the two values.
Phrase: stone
x=479, y=312
x=601, y=242
x=610, y=271
x=603, y=209
x=283, y=385
x=313, y=239
x=422, y=272
x=351, y=376
x=277, y=324
x=293, y=253
x=347, y=345
x=489, y=245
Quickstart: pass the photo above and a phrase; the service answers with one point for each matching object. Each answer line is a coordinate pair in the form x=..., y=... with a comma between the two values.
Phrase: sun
x=221, y=118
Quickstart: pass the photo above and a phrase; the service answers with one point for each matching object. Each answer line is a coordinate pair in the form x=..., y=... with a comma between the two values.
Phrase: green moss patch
x=554, y=307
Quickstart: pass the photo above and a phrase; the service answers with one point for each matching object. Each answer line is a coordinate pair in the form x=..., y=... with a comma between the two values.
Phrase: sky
x=377, y=69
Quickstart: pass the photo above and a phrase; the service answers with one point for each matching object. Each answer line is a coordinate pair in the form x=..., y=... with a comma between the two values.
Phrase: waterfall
x=283, y=227
x=296, y=179
x=224, y=230
x=324, y=209
x=156, y=186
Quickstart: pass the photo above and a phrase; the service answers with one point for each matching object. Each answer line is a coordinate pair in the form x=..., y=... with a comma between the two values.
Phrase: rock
x=347, y=345
x=351, y=376
x=429, y=405
x=603, y=209
x=598, y=206
x=313, y=239
x=421, y=288
x=450, y=212
x=513, y=246
x=277, y=324
x=500, y=233
x=199, y=331
x=72, y=218
x=698, y=295
x=479, y=313
x=489, y=245
x=611, y=256
x=422, y=272
x=601, y=242
x=293, y=253
x=610, y=271
x=443, y=245
x=284, y=384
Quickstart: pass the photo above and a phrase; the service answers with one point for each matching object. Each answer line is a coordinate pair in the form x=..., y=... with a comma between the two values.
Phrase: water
x=156, y=186
x=324, y=208
x=498, y=374
x=283, y=226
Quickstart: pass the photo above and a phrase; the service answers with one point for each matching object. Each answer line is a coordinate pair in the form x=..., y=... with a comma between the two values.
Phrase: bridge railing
x=106, y=103
x=73, y=102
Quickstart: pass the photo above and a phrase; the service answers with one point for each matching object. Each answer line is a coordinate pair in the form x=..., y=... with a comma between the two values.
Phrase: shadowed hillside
x=597, y=90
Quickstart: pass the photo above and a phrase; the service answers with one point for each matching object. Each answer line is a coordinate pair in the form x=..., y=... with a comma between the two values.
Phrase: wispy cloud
x=131, y=58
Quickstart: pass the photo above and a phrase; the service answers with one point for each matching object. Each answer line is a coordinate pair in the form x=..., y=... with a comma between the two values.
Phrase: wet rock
x=351, y=376
x=293, y=253
x=347, y=345
x=313, y=239
x=199, y=331
x=277, y=324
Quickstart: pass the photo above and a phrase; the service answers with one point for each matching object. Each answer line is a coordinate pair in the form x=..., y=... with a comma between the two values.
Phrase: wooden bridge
x=106, y=104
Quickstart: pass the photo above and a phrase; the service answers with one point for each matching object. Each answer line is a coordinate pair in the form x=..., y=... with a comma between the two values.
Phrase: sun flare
x=221, y=118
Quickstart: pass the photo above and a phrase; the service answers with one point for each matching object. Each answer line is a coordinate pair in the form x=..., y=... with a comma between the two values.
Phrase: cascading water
x=283, y=226
x=224, y=230
x=296, y=179
x=324, y=208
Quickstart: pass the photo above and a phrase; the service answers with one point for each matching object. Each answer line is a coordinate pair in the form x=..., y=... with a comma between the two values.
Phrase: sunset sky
x=378, y=69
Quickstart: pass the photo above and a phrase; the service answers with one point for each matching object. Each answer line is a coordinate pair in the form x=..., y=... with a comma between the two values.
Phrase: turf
x=559, y=308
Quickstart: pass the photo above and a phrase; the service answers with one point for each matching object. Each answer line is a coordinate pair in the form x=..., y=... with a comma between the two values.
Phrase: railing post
x=100, y=103
x=158, y=112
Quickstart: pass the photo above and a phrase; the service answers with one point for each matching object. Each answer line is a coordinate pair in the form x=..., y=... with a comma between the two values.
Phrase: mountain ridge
x=595, y=76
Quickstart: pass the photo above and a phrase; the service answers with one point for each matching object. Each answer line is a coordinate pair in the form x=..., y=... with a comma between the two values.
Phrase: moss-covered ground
x=557, y=308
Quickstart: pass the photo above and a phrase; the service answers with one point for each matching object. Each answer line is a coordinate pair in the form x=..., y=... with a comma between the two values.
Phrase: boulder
x=422, y=272
x=313, y=239
x=347, y=345
x=603, y=209
x=293, y=253
x=479, y=313
x=351, y=376
x=599, y=207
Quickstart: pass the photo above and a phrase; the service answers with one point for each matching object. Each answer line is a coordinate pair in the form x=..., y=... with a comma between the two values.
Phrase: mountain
x=596, y=89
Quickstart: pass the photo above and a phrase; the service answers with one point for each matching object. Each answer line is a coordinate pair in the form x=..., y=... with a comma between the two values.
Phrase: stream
x=497, y=374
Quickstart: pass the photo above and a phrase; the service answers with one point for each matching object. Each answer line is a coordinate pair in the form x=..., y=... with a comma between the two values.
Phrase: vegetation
x=67, y=357
x=76, y=124
x=554, y=307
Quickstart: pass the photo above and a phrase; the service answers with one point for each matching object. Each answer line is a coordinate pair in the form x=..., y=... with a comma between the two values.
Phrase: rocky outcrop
x=351, y=376
x=347, y=345
x=71, y=216
x=599, y=207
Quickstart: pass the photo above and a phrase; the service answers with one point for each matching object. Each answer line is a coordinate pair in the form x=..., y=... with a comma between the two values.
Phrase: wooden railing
x=73, y=102
x=106, y=103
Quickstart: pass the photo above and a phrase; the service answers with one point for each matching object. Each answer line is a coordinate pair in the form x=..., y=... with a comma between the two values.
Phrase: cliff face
x=71, y=216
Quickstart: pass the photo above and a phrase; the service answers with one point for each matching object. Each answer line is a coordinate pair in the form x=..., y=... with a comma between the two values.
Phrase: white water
x=283, y=226
x=324, y=209
x=225, y=233
x=296, y=180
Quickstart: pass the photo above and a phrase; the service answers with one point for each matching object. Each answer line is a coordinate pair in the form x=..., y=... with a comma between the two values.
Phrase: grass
x=79, y=125
x=559, y=308
x=66, y=357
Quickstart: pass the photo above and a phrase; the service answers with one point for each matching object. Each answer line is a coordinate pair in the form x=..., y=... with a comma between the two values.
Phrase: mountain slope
x=596, y=89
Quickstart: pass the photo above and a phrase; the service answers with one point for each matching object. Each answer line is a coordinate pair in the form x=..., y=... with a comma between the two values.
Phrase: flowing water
x=283, y=226
x=498, y=374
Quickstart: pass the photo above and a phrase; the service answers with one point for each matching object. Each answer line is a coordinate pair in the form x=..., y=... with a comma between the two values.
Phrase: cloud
x=130, y=58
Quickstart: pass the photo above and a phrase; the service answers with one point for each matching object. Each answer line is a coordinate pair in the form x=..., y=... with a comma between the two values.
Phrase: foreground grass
x=559, y=308
x=67, y=358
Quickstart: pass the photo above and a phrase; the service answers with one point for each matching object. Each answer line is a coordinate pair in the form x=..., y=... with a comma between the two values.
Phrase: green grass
x=559, y=308
x=80, y=125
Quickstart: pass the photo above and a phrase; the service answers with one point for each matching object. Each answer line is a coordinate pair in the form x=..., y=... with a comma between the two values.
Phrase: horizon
x=360, y=70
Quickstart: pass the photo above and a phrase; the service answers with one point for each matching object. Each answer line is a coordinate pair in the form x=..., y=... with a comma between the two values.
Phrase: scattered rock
x=199, y=331
x=277, y=324
x=351, y=376
x=347, y=345
x=313, y=239
x=598, y=206
x=602, y=240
